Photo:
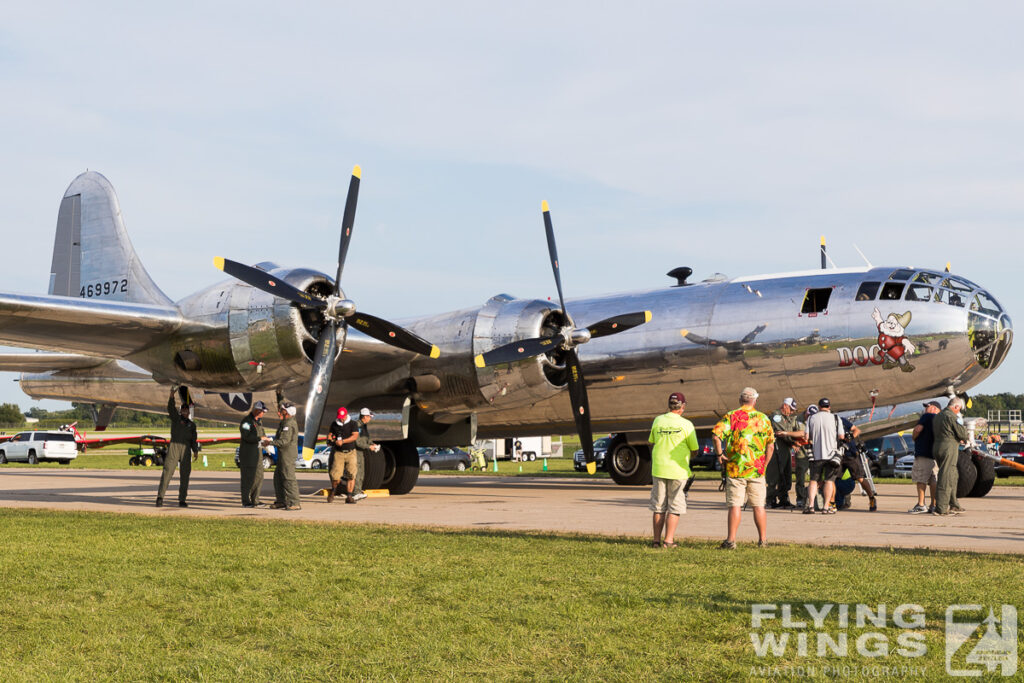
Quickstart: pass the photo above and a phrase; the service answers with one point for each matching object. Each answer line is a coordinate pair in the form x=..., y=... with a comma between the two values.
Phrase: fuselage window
x=927, y=278
x=916, y=292
x=901, y=274
x=892, y=291
x=948, y=297
x=816, y=300
x=957, y=285
x=867, y=291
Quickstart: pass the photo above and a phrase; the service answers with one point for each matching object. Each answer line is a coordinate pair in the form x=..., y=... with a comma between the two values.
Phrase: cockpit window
x=949, y=297
x=916, y=292
x=867, y=291
x=901, y=274
x=892, y=291
x=927, y=278
x=985, y=304
x=958, y=285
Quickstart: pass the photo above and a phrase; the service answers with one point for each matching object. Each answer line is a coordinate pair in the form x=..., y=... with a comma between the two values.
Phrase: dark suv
x=1010, y=450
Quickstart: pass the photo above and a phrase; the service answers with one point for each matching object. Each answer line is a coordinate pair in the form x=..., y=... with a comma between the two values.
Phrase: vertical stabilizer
x=92, y=255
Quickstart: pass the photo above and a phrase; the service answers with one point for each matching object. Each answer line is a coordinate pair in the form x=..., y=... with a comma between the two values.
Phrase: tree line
x=11, y=416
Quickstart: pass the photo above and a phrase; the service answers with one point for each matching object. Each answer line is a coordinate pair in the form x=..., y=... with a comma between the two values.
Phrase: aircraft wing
x=45, y=362
x=890, y=425
x=103, y=441
x=90, y=326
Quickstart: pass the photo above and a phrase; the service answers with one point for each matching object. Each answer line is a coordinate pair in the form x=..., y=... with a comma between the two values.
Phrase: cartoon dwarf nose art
x=892, y=340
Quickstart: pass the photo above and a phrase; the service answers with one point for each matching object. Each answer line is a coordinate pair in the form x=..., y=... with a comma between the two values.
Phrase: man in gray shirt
x=824, y=430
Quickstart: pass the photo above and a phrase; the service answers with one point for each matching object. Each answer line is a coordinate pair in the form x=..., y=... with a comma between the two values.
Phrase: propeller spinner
x=566, y=339
x=337, y=311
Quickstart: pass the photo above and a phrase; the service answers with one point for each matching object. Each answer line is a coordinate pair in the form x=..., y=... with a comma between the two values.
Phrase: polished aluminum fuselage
x=708, y=340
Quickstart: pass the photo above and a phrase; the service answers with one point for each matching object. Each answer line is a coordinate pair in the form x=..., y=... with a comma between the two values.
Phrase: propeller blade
x=390, y=333
x=347, y=221
x=619, y=323
x=580, y=407
x=261, y=279
x=517, y=350
x=319, y=385
x=552, y=251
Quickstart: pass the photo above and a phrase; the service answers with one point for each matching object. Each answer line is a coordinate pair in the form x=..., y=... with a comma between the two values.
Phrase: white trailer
x=523, y=448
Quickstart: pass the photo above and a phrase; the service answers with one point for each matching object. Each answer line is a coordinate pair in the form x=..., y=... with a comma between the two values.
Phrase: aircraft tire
x=628, y=464
x=986, y=477
x=401, y=468
x=373, y=471
x=967, y=474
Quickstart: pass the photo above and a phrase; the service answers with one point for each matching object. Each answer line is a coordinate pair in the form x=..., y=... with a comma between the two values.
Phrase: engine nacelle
x=462, y=387
x=245, y=337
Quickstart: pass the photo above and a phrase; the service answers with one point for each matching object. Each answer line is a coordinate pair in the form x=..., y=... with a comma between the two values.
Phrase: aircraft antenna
x=863, y=256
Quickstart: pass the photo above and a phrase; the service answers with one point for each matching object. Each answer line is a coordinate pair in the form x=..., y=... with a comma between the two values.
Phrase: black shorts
x=824, y=470
x=854, y=466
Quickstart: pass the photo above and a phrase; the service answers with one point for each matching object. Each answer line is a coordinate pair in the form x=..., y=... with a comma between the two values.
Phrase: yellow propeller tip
x=218, y=261
x=822, y=240
x=357, y=171
x=479, y=360
x=435, y=352
x=647, y=316
x=684, y=332
x=544, y=206
x=307, y=454
x=591, y=468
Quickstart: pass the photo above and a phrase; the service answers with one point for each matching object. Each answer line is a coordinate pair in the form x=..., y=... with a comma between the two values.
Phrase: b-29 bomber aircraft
x=861, y=336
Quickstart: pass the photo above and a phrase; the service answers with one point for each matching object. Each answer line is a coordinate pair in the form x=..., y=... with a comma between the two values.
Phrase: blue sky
x=661, y=134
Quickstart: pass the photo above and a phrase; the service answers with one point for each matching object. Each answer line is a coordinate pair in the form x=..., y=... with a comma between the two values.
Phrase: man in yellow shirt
x=672, y=439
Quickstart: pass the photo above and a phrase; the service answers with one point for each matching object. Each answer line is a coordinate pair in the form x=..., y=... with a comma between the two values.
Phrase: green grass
x=97, y=597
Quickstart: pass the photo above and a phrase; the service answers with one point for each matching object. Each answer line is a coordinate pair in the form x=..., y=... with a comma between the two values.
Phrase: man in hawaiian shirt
x=749, y=443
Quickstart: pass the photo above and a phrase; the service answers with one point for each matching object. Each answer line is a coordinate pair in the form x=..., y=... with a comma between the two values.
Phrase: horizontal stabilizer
x=45, y=362
x=90, y=326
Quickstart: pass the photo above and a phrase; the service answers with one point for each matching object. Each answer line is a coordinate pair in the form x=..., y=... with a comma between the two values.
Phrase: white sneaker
x=359, y=496
x=918, y=510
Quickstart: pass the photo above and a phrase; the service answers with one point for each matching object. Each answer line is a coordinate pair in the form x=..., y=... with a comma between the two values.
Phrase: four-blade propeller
x=337, y=312
x=567, y=339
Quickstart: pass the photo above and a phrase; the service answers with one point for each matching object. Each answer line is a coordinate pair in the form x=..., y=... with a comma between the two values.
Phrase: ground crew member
x=250, y=455
x=925, y=471
x=286, y=441
x=804, y=454
x=672, y=440
x=365, y=448
x=182, y=448
x=779, y=475
x=949, y=432
x=342, y=436
x=748, y=448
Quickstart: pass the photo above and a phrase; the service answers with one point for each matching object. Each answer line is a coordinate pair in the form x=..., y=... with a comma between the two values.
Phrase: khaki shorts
x=925, y=471
x=667, y=496
x=343, y=462
x=739, y=491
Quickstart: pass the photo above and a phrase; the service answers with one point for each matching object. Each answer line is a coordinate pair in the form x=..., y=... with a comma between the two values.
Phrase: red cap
x=676, y=397
x=342, y=413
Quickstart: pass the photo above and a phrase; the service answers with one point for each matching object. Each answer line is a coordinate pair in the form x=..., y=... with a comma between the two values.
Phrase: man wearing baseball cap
x=925, y=472
x=789, y=430
x=365, y=449
x=745, y=442
x=342, y=436
x=250, y=455
x=672, y=439
x=286, y=441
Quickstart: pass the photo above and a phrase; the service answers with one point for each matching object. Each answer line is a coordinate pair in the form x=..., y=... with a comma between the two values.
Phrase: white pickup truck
x=33, y=447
